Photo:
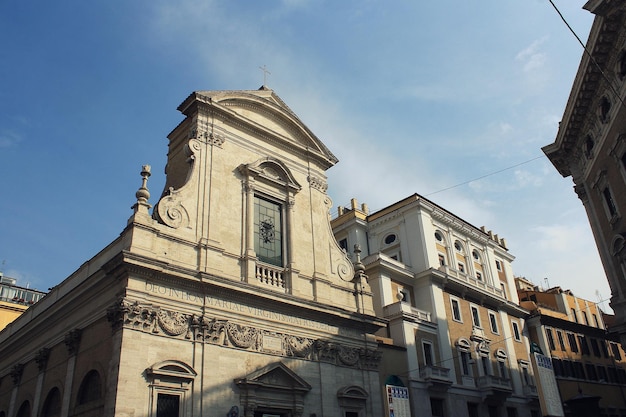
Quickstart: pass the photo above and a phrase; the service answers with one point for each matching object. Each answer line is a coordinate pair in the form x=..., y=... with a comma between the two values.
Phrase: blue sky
x=410, y=96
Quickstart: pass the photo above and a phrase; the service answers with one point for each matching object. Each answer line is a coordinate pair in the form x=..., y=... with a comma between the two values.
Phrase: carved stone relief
x=153, y=319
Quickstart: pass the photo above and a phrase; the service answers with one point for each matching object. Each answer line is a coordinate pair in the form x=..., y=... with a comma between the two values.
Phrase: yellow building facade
x=587, y=360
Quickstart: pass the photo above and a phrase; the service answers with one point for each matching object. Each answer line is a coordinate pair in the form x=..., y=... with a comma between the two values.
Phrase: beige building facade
x=588, y=363
x=590, y=146
x=231, y=297
x=446, y=287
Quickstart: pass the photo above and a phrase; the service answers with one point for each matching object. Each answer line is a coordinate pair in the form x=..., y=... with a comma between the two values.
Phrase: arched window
x=90, y=388
x=352, y=400
x=270, y=195
x=170, y=386
x=24, y=410
x=52, y=404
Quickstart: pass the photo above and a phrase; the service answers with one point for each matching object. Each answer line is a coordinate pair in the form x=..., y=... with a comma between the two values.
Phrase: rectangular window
x=442, y=260
x=605, y=348
x=602, y=373
x=461, y=267
x=343, y=244
x=479, y=276
x=557, y=364
x=268, y=239
x=584, y=346
x=591, y=372
x=493, y=322
x=616, y=353
x=585, y=318
x=456, y=310
x=595, y=347
x=525, y=375
x=502, y=369
x=168, y=405
x=610, y=203
x=578, y=370
x=612, y=375
x=573, y=346
x=559, y=335
x=428, y=353
x=550, y=339
x=574, y=316
x=436, y=407
x=472, y=410
x=465, y=363
x=595, y=320
x=568, y=368
x=484, y=361
x=503, y=288
x=475, y=316
x=516, y=334
x=499, y=265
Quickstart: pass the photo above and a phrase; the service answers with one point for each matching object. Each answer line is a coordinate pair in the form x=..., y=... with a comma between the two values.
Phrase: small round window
x=458, y=247
x=390, y=239
x=475, y=255
x=438, y=237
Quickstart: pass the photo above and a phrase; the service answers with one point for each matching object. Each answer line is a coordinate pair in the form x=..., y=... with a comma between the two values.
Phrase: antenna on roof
x=265, y=73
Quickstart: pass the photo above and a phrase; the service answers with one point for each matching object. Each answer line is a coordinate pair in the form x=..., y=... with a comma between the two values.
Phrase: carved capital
x=42, y=359
x=72, y=341
x=318, y=183
x=16, y=373
x=581, y=192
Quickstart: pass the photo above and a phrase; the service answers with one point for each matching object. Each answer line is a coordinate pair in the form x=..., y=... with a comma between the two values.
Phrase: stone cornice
x=588, y=88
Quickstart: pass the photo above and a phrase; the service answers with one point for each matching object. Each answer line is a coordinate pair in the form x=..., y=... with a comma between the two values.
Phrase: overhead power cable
x=588, y=53
x=484, y=176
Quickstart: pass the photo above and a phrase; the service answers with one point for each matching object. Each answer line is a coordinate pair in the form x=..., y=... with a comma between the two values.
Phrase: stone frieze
x=155, y=320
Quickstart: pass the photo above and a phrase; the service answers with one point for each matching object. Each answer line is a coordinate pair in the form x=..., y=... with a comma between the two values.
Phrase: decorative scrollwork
x=299, y=346
x=348, y=355
x=241, y=336
x=152, y=319
x=173, y=323
x=171, y=210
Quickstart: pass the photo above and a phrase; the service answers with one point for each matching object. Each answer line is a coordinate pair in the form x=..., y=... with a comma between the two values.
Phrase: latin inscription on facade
x=227, y=305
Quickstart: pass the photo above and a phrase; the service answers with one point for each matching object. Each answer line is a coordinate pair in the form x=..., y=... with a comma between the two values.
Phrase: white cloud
x=9, y=138
x=531, y=57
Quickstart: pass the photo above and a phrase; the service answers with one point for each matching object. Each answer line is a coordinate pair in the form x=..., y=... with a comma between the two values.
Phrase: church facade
x=230, y=297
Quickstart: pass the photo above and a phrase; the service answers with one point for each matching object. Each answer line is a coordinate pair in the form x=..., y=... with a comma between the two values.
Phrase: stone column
x=16, y=375
x=72, y=342
x=250, y=254
x=42, y=361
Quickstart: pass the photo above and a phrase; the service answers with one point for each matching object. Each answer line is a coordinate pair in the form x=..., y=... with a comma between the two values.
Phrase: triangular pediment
x=263, y=111
x=275, y=376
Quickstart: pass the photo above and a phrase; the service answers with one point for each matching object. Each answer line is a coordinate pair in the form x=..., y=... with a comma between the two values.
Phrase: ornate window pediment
x=272, y=172
x=272, y=388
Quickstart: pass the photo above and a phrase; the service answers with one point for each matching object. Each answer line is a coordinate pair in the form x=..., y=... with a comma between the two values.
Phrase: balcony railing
x=491, y=382
x=406, y=310
x=270, y=275
x=462, y=276
x=435, y=372
x=530, y=391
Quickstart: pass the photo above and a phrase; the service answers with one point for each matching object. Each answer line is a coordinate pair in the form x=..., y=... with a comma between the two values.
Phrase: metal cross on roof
x=265, y=72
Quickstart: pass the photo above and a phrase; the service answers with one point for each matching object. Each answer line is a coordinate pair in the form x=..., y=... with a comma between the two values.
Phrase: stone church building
x=230, y=297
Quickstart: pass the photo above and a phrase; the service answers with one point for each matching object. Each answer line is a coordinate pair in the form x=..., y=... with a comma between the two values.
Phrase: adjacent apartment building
x=589, y=364
x=446, y=288
x=590, y=146
x=14, y=299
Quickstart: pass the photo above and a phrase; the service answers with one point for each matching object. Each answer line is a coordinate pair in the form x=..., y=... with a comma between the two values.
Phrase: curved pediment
x=272, y=171
x=263, y=112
